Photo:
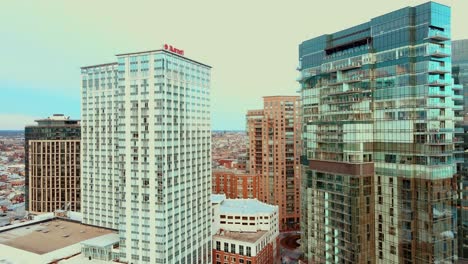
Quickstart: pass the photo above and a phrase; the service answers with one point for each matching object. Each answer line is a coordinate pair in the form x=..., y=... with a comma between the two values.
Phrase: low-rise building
x=247, y=231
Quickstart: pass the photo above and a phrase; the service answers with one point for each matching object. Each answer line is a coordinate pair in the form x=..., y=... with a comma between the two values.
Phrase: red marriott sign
x=174, y=50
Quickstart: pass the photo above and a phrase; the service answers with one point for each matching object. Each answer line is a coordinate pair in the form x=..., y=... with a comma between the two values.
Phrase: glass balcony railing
x=458, y=118
x=438, y=117
x=436, y=81
x=457, y=87
x=459, y=130
x=457, y=97
x=438, y=51
x=436, y=92
x=457, y=107
x=438, y=35
x=435, y=67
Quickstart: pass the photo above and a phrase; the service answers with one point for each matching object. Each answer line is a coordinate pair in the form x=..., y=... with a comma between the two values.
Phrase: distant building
x=247, y=231
x=52, y=150
x=274, y=151
x=234, y=183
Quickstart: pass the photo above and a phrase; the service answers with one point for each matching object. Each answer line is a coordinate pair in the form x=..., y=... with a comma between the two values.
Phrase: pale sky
x=251, y=45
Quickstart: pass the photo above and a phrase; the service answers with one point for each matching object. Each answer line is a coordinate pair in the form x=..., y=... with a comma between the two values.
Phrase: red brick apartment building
x=274, y=155
x=234, y=184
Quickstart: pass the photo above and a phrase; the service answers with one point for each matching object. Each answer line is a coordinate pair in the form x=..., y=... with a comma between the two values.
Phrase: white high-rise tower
x=163, y=158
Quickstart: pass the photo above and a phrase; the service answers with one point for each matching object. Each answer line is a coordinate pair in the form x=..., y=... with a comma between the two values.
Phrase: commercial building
x=51, y=239
x=378, y=137
x=246, y=231
x=235, y=183
x=147, y=171
x=52, y=149
x=274, y=150
x=460, y=76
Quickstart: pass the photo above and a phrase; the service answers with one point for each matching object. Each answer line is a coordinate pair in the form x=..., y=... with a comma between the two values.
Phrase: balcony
x=438, y=142
x=438, y=51
x=459, y=130
x=341, y=67
x=458, y=140
x=436, y=81
x=346, y=80
x=436, y=68
x=437, y=35
x=437, y=93
x=458, y=87
x=457, y=108
x=458, y=119
x=438, y=117
x=457, y=97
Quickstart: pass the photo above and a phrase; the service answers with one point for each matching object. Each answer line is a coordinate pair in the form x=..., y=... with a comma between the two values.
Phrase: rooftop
x=250, y=237
x=102, y=241
x=57, y=233
x=217, y=198
x=245, y=207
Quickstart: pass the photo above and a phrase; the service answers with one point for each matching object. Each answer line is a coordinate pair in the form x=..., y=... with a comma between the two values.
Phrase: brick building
x=245, y=231
x=274, y=151
x=234, y=183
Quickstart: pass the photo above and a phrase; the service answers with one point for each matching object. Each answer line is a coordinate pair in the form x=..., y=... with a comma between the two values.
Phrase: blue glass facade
x=378, y=137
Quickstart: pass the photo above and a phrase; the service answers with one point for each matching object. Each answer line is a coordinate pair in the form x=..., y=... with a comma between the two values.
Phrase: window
x=249, y=252
x=233, y=248
x=241, y=251
x=392, y=250
x=218, y=245
x=226, y=247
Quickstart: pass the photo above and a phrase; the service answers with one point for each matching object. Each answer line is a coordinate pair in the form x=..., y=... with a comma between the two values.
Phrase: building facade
x=154, y=130
x=460, y=76
x=99, y=167
x=246, y=231
x=274, y=150
x=52, y=155
x=235, y=184
x=378, y=137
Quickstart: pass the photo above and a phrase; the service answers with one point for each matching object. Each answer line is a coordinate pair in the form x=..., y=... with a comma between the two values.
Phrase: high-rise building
x=460, y=76
x=378, y=137
x=149, y=115
x=100, y=179
x=274, y=150
x=460, y=68
x=52, y=168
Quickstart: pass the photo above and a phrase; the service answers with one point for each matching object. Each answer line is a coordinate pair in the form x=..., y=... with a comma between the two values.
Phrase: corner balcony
x=457, y=108
x=437, y=35
x=456, y=97
x=458, y=87
x=438, y=52
x=437, y=93
x=437, y=82
x=436, y=68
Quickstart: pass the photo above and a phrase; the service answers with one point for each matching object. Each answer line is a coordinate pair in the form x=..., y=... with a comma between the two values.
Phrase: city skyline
x=75, y=35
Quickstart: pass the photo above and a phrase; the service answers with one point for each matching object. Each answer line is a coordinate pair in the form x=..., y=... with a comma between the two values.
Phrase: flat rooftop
x=49, y=236
x=250, y=237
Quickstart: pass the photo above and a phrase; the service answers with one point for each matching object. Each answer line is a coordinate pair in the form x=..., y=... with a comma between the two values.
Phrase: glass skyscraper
x=460, y=76
x=147, y=134
x=378, y=134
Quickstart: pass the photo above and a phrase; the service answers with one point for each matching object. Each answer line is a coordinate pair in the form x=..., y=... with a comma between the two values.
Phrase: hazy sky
x=252, y=46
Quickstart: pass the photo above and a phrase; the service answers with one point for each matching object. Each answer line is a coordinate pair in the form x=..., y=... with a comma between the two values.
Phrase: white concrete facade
x=100, y=183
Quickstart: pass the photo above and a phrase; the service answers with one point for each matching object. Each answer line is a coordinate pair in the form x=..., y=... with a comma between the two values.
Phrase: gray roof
x=102, y=241
x=246, y=207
